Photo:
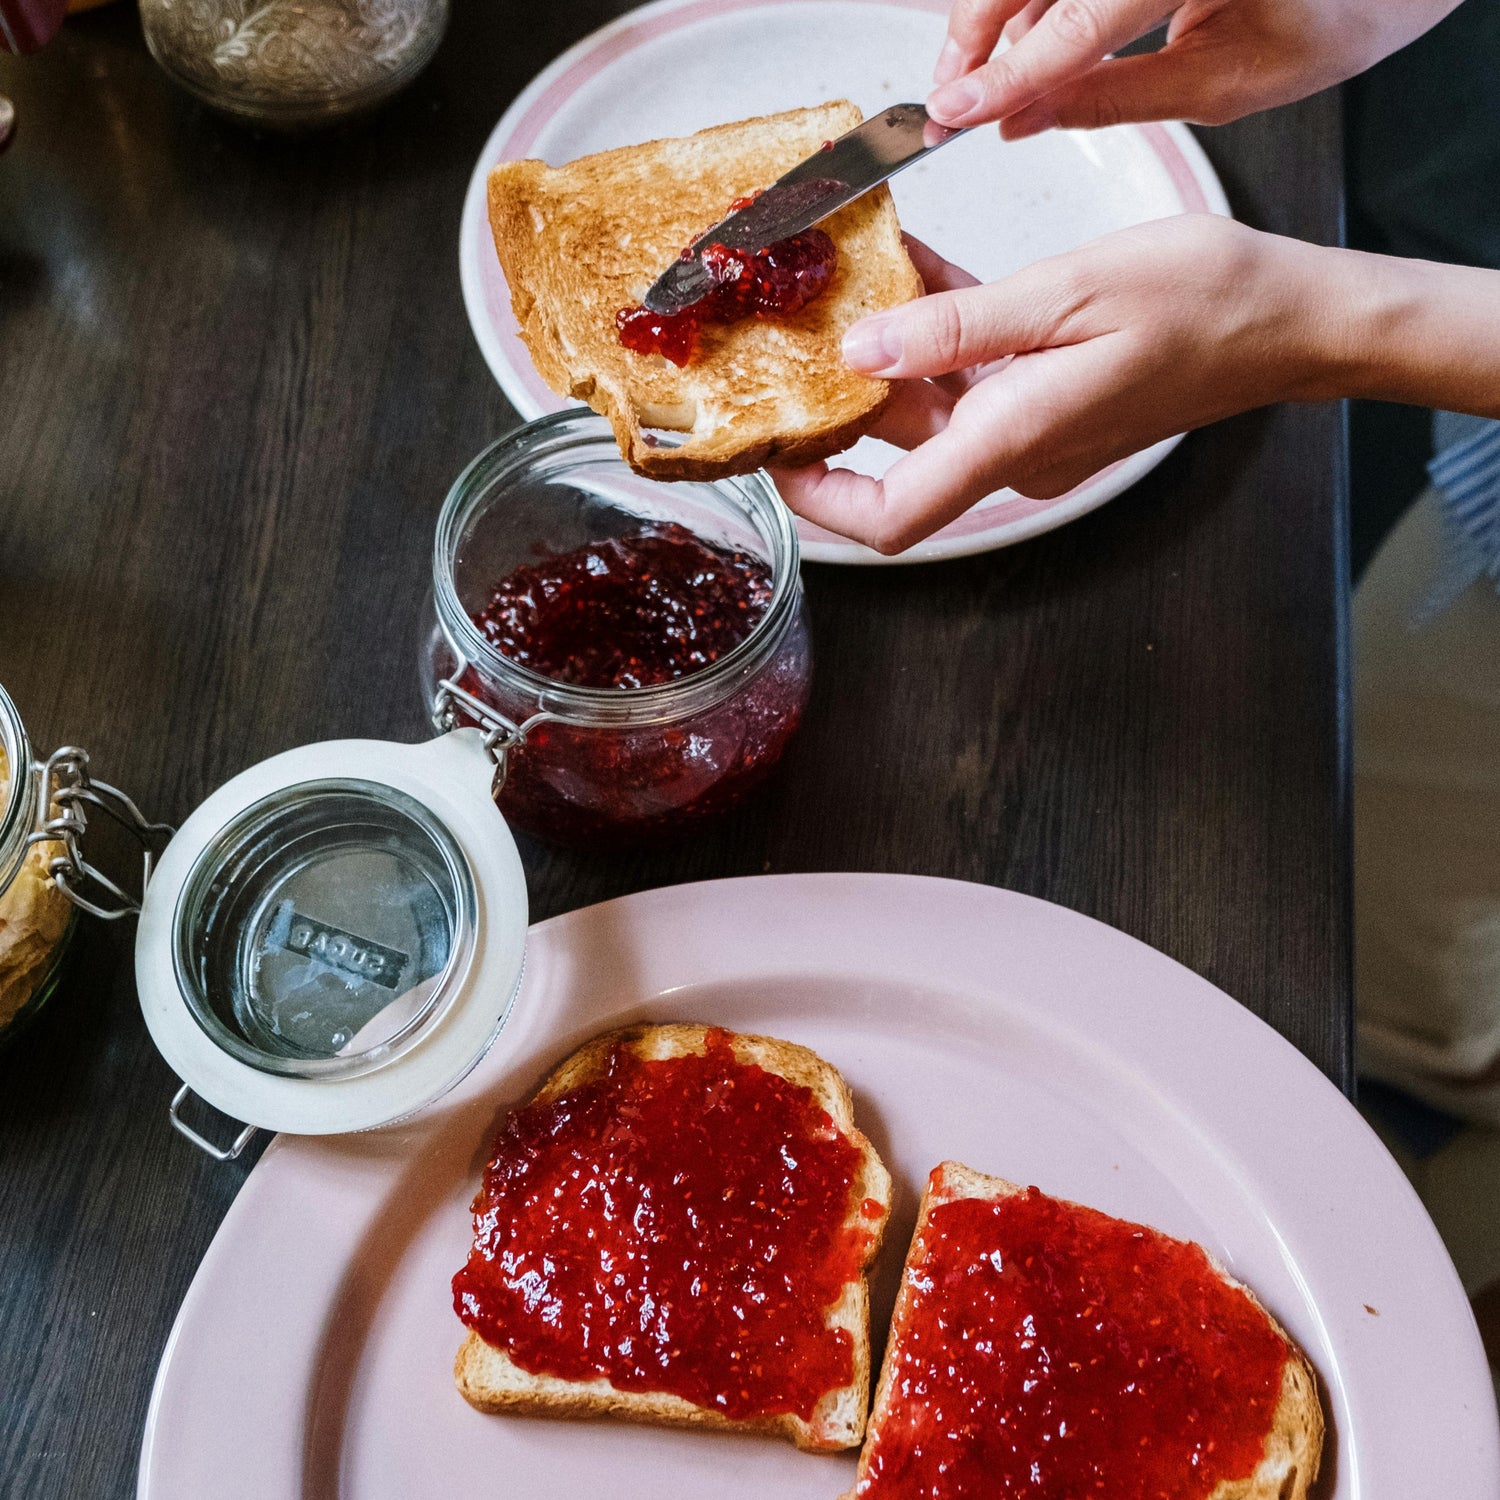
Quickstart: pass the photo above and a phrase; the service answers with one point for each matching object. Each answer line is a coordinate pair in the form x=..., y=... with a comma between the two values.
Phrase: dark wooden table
x=235, y=382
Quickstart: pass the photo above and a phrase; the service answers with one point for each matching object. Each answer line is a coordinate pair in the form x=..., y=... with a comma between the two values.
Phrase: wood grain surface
x=236, y=380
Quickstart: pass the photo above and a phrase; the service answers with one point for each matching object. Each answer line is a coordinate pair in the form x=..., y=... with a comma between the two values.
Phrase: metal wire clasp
x=68, y=788
x=230, y=1152
x=452, y=704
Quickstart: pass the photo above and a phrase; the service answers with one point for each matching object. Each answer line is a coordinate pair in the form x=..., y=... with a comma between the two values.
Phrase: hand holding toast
x=1042, y=379
x=1222, y=58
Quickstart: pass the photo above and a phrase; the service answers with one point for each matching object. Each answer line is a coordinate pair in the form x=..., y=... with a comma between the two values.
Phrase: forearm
x=1407, y=330
x=1147, y=332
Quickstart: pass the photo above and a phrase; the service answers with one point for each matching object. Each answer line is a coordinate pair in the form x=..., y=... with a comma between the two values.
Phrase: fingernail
x=949, y=63
x=951, y=103
x=873, y=344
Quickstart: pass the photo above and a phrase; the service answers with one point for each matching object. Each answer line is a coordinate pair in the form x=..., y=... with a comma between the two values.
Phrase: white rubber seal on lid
x=448, y=780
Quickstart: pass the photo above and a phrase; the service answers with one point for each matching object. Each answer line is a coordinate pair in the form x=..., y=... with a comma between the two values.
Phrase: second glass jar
x=610, y=766
x=36, y=917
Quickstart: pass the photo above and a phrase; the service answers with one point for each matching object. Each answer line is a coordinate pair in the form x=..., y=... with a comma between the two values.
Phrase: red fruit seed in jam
x=1071, y=1354
x=774, y=282
x=675, y=1226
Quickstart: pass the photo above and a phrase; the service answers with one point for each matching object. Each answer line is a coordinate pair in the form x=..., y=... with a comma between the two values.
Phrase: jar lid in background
x=335, y=937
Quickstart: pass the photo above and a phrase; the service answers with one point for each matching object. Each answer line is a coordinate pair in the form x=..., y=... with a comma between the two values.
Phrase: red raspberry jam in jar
x=773, y=282
x=675, y=1225
x=629, y=611
x=642, y=645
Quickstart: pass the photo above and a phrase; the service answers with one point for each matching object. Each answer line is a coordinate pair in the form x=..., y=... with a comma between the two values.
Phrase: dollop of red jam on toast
x=679, y=1225
x=773, y=282
x=1048, y=1351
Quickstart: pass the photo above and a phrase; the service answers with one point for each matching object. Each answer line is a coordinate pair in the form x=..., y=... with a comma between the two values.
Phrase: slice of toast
x=1294, y=1436
x=580, y=242
x=491, y=1380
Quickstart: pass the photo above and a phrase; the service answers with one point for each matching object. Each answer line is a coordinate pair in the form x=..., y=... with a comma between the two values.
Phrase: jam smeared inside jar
x=630, y=611
x=1071, y=1354
x=773, y=282
x=676, y=1225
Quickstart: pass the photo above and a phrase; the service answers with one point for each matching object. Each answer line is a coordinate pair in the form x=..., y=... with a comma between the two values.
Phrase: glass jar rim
x=18, y=811
x=230, y=841
x=583, y=429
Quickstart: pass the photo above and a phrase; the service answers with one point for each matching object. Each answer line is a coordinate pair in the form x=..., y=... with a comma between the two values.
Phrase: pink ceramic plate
x=678, y=65
x=312, y=1354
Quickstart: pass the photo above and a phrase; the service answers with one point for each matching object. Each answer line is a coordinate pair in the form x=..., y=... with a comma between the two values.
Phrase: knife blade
x=837, y=174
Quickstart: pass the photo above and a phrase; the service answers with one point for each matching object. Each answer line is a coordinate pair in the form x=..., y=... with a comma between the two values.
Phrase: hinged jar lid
x=335, y=937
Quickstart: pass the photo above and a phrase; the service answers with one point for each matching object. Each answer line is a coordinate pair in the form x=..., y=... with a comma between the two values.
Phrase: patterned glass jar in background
x=293, y=64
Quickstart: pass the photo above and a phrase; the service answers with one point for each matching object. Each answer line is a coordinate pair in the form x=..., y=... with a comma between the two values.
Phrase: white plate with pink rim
x=679, y=65
x=312, y=1356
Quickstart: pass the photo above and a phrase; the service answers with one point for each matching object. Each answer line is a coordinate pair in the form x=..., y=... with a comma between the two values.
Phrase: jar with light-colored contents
x=293, y=64
x=636, y=651
x=36, y=916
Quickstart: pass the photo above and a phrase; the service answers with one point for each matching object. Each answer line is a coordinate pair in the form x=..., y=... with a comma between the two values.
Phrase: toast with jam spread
x=1045, y=1348
x=581, y=243
x=677, y=1229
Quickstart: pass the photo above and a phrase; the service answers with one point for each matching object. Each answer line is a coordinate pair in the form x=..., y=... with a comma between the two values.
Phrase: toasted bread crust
x=1294, y=1443
x=579, y=242
x=491, y=1381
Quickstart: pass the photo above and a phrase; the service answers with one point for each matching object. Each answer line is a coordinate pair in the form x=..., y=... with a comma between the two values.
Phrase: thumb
x=949, y=331
x=1068, y=39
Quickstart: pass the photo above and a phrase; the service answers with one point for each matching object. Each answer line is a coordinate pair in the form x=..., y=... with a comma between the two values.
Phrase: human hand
x=1222, y=58
x=1040, y=380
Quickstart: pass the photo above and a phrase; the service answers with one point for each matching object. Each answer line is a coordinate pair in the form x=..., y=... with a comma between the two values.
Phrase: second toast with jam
x=1045, y=1349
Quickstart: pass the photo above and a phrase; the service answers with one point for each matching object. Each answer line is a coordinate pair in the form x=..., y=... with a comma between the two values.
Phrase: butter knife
x=840, y=172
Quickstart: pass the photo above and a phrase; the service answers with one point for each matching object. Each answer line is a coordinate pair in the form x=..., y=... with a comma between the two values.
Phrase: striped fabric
x=1467, y=473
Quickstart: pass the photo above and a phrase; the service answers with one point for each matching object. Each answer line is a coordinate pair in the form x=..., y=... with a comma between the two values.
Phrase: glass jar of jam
x=636, y=651
x=36, y=916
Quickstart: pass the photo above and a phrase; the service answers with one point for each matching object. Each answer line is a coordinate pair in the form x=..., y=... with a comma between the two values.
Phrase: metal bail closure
x=334, y=938
x=453, y=705
x=68, y=787
x=219, y=1153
